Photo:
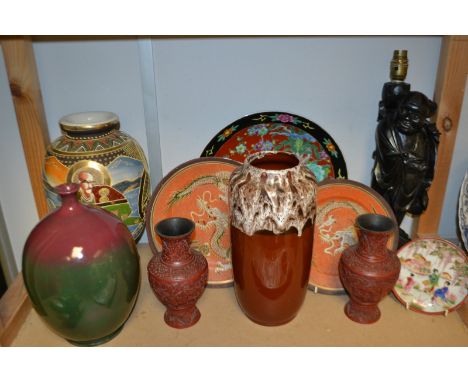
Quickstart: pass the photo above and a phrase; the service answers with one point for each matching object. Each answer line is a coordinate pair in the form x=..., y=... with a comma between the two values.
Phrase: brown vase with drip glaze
x=369, y=270
x=272, y=205
x=178, y=275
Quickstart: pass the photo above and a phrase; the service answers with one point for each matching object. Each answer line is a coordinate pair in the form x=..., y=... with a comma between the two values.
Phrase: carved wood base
x=182, y=318
x=363, y=314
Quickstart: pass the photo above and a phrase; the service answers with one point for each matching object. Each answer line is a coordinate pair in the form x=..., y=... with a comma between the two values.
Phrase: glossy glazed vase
x=272, y=203
x=178, y=275
x=109, y=165
x=369, y=270
x=81, y=270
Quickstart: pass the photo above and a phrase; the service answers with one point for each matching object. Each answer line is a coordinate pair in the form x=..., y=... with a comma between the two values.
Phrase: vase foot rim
x=98, y=341
x=177, y=320
x=368, y=315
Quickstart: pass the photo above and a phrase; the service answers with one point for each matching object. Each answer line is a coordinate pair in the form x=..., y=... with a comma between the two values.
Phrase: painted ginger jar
x=109, y=165
x=81, y=270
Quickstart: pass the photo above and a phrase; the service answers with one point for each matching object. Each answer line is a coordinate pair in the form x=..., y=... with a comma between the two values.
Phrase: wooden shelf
x=320, y=322
x=25, y=90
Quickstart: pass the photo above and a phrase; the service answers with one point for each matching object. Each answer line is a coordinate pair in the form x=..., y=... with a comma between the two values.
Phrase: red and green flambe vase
x=81, y=270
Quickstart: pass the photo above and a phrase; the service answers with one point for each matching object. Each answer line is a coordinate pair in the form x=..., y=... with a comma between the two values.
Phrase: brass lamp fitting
x=399, y=65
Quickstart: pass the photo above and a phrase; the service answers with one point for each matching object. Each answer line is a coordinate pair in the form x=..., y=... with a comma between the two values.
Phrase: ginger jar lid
x=89, y=121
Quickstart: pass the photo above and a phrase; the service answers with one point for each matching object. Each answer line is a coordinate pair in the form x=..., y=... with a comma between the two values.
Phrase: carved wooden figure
x=406, y=145
x=406, y=148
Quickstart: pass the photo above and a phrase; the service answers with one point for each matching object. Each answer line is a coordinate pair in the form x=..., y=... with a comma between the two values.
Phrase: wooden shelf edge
x=20, y=65
x=14, y=308
x=449, y=94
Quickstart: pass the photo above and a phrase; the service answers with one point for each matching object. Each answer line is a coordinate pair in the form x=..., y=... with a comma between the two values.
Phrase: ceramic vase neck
x=373, y=245
x=69, y=196
x=93, y=123
x=176, y=250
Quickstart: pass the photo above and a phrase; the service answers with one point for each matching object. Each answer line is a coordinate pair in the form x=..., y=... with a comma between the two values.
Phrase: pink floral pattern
x=285, y=118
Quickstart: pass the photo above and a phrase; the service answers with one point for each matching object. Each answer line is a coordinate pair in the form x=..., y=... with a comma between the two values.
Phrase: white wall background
x=204, y=84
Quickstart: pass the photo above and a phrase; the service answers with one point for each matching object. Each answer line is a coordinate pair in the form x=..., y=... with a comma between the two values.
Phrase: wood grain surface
x=24, y=86
x=14, y=308
x=450, y=88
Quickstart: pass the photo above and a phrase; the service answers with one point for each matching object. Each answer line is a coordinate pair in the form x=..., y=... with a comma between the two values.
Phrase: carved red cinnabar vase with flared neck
x=178, y=275
x=369, y=270
x=81, y=270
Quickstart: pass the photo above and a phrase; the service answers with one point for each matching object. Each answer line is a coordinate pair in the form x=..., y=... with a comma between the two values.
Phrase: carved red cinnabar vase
x=178, y=275
x=272, y=204
x=81, y=270
x=369, y=270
